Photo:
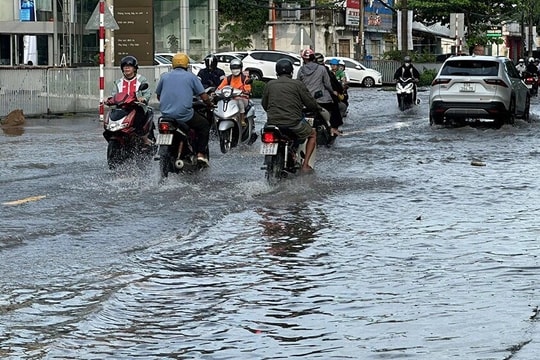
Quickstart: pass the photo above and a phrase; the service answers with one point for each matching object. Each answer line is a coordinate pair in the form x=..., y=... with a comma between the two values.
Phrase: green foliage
x=238, y=20
x=257, y=88
x=397, y=55
x=427, y=76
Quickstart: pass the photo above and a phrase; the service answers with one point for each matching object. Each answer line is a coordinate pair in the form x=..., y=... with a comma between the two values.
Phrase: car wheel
x=368, y=82
x=255, y=75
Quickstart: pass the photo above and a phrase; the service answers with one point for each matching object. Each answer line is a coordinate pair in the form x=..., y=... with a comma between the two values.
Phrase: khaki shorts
x=302, y=130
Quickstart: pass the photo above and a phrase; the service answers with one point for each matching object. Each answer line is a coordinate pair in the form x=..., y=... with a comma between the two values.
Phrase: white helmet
x=531, y=59
x=521, y=61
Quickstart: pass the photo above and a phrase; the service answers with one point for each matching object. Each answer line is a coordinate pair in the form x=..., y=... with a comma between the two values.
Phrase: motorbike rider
x=129, y=83
x=406, y=71
x=284, y=100
x=521, y=67
x=241, y=81
x=532, y=70
x=175, y=91
x=319, y=85
x=211, y=75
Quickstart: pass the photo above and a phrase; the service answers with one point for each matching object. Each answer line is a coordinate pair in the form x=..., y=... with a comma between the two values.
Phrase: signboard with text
x=352, y=14
x=135, y=35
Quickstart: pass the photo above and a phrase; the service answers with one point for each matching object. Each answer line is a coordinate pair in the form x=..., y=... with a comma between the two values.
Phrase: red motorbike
x=124, y=142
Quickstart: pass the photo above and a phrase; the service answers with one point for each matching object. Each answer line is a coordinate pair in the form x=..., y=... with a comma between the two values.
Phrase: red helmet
x=307, y=54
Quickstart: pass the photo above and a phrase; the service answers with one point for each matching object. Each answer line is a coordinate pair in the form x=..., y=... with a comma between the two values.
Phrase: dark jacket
x=406, y=72
x=211, y=78
x=284, y=99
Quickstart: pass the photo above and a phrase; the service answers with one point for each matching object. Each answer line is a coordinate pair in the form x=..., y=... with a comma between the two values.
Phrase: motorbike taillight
x=164, y=127
x=269, y=137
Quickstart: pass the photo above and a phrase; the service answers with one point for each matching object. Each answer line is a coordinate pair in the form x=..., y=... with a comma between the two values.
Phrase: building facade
x=57, y=32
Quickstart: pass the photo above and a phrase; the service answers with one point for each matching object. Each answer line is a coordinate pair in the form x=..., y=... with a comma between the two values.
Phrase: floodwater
x=398, y=247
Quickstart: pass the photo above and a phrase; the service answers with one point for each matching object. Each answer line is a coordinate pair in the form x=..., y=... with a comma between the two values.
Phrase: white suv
x=470, y=88
x=261, y=64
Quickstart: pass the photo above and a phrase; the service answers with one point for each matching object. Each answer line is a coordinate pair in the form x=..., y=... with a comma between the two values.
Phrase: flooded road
x=398, y=246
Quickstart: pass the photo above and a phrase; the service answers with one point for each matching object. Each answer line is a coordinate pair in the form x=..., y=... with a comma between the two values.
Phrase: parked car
x=225, y=58
x=261, y=64
x=161, y=61
x=358, y=73
x=194, y=65
x=471, y=88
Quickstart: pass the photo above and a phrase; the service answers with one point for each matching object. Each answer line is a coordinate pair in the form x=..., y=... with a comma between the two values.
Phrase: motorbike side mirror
x=249, y=81
x=143, y=86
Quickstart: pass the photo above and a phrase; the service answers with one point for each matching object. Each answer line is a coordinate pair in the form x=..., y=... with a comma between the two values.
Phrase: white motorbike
x=405, y=89
x=227, y=120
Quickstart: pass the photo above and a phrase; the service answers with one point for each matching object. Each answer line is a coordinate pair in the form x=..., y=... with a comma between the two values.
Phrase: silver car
x=469, y=89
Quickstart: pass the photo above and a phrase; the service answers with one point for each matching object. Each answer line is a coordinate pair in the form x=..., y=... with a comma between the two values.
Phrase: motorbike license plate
x=269, y=148
x=164, y=139
x=467, y=87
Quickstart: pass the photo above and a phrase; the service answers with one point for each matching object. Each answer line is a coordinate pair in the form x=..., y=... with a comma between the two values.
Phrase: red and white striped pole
x=101, y=58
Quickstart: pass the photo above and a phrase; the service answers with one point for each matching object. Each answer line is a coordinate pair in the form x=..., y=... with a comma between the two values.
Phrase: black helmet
x=407, y=59
x=319, y=58
x=284, y=67
x=129, y=61
x=211, y=61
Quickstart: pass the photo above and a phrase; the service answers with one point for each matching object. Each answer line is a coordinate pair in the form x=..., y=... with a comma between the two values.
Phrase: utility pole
x=361, y=32
x=404, y=27
x=313, y=23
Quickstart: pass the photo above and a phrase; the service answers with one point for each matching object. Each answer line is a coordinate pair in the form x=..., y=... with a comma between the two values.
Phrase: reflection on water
x=290, y=230
x=13, y=130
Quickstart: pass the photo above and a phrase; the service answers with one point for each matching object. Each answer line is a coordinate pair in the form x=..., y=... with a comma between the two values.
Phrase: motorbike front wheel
x=115, y=154
x=401, y=103
x=225, y=140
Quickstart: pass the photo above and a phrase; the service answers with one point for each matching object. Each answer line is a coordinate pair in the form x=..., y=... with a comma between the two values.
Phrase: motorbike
x=532, y=84
x=283, y=152
x=405, y=88
x=177, y=144
x=321, y=123
x=124, y=143
x=227, y=120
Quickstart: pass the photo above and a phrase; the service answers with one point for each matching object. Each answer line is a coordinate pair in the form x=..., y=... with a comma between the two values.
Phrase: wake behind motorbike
x=227, y=120
x=124, y=143
x=283, y=152
x=177, y=144
x=405, y=89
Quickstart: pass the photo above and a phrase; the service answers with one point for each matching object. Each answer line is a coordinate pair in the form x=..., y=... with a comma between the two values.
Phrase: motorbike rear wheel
x=115, y=154
x=165, y=161
x=274, y=168
x=225, y=140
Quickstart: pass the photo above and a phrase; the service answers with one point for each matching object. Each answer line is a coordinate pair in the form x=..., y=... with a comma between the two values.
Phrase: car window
x=470, y=68
x=511, y=69
x=257, y=56
x=350, y=64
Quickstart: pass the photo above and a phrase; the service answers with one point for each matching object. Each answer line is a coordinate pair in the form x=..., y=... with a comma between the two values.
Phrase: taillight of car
x=497, y=82
x=440, y=81
x=164, y=127
x=269, y=137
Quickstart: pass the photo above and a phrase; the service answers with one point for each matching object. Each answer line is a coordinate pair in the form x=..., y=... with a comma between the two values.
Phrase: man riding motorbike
x=129, y=83
x=211, y=75
x=284, y=100
x=406, y=71
x=175, y=91
x=319, y=85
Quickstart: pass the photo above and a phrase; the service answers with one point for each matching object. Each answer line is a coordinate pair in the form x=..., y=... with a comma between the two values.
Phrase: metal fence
x=39, y=91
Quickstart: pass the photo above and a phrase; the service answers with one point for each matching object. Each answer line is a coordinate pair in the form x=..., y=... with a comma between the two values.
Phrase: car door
x=355, y=71
x=520, y=89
